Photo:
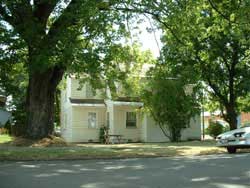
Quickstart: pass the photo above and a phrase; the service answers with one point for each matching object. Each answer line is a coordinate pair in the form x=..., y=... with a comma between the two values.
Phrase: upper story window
x=131, y=119
x=92, y=120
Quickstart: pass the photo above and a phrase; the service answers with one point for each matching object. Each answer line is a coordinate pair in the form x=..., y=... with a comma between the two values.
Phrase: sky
x=148, y=40
x=151, y=40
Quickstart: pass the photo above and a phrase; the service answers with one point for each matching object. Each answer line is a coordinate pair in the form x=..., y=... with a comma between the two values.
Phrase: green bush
x=215, y=128
x=246, y=124
x=101, y=134
x=4, y=131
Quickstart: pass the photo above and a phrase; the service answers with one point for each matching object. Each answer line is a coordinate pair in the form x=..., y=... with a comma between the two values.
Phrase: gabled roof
x=128, y=99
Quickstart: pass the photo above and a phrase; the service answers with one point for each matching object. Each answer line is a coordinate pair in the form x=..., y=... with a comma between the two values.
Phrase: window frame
x=134, y=121
x=96, y=122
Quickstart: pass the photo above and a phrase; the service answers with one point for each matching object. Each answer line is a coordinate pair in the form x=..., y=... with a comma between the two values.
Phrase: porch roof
x=128, y=101
x=87, y=102
x=123, y=103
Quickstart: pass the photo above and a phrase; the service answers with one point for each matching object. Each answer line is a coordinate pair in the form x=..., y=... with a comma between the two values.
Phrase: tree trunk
x=231, y=117
x=40, y=102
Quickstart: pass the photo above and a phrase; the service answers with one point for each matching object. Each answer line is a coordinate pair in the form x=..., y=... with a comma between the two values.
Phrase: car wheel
x=231, y=149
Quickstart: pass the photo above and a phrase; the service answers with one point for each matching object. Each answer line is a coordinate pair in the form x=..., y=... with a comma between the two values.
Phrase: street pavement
x=212, y=171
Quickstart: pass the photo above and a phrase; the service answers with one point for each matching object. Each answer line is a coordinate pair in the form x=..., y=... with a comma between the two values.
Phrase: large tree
x=211, y=40
x=52, y=34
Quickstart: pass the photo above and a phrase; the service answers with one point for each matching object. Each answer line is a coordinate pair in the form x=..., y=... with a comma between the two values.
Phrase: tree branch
x=164, y=132
x=217, y=92
x=64, y=22
x=57, y=75
x=6, y=16
x=43, y=9
x=20, y=17
x=156, y=17
x=170, y=29
x=218, y=11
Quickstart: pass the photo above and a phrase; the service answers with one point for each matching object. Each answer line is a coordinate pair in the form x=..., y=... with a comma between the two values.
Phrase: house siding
x=78, y=92
x=80, y=130
x=194, y=131
x=131, y=133
x=74, y=118
x=155, y=134
x=66, y=124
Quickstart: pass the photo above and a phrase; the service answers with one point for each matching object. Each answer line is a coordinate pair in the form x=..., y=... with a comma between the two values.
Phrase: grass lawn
x=95, y=151
x=5, y=138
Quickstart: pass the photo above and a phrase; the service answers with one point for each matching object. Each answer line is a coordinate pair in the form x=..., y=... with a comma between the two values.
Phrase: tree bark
x=40, y=102
x=231, y=117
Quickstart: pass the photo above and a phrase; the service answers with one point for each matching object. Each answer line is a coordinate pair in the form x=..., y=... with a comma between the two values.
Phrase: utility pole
x=203, y=115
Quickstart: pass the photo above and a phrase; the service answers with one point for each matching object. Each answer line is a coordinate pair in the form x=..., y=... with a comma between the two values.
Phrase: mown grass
x=95, y=151
x=28, y=153
x=4, y=138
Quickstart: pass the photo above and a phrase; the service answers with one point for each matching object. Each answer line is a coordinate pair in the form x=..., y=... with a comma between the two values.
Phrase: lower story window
x=131, y=119
x=92, y=120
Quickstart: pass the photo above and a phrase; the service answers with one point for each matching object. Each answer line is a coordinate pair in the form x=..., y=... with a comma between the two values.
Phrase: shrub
x=246, y=124
x=215, y=128
x=4, y=131
x=102, y=134
x=130, y=141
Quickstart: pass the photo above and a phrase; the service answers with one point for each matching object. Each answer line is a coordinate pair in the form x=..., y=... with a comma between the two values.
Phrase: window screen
x=131, y=119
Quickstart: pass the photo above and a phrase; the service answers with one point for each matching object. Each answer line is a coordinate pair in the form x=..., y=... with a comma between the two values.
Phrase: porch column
x=110, y=109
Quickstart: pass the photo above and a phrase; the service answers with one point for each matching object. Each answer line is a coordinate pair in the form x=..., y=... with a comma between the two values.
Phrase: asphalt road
x=215, y=171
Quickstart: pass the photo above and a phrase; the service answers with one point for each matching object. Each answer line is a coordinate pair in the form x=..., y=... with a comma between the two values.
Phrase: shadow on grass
x=86, y=151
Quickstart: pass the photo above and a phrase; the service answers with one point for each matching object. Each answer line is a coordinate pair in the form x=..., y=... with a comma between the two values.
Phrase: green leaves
x=165, y=98
x=210, y=37
x=44, y=39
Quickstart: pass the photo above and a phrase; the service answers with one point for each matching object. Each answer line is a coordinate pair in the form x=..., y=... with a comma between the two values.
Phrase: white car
x=232, y=140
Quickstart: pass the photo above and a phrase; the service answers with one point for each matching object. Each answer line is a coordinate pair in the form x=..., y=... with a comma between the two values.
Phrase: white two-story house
x=83, y=113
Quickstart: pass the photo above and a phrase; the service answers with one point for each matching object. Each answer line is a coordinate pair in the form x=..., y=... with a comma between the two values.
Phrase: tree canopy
x=203, y=41
x=54, y=37
x=209, y=41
